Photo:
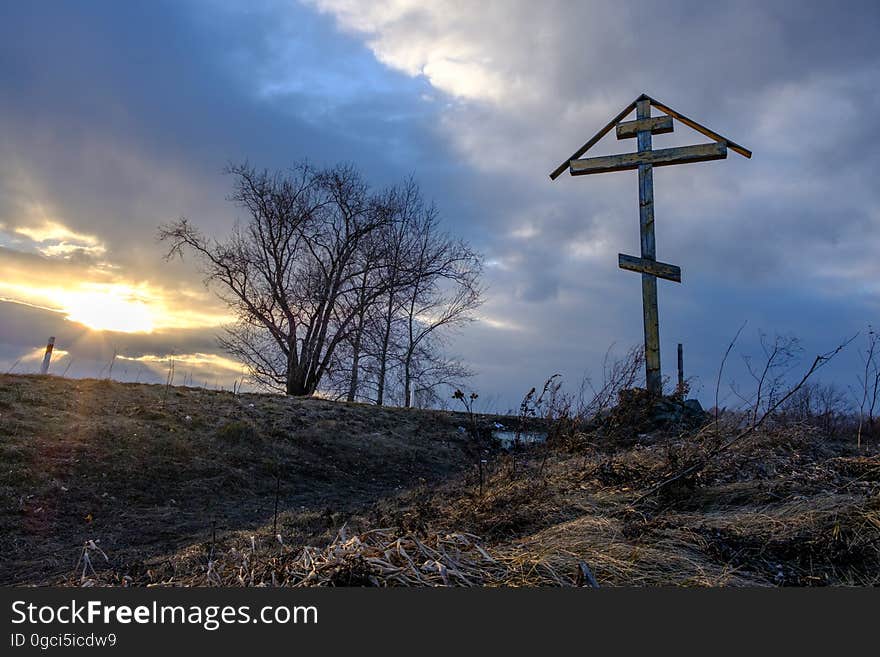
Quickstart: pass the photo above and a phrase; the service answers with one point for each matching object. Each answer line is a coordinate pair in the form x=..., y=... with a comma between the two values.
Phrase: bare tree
x=442, y=296
x=290, y=273
x=869, y=382
x=821, y=405
x=780, y=355
x=335, y=285
x=431, y=371
x=400, y=245
x=367, y=291
x=431, y=285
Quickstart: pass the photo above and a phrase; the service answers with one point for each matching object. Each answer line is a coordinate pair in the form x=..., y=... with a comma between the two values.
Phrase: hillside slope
x=146, y=471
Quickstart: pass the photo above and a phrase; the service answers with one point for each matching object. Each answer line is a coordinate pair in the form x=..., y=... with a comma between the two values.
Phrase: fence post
x=44, y=368
x=681, y=370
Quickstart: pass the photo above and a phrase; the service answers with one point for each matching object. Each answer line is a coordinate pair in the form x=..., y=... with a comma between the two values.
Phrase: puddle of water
x=508, y=438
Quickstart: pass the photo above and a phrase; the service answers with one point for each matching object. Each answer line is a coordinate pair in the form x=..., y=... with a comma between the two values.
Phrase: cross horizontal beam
x=661, y=158
x=658, y=125
x=652, y=267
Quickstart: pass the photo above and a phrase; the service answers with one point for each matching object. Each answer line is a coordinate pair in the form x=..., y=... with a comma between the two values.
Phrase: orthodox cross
x=645, y=159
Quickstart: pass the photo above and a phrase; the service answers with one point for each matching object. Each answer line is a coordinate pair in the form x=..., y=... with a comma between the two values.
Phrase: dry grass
x=378, y=558
x=88, y=459
x=788, y=506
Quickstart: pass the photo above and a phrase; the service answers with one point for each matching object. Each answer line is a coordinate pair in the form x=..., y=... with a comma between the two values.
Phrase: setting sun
x=110, y=308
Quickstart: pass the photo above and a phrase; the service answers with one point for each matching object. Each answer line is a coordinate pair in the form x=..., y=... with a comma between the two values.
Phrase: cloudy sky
x=116, y=117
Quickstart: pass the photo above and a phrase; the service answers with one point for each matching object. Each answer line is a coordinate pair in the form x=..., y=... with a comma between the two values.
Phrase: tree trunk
x=296, y=386
x=407, y=381
x=380, y=386
x=355, y=360
x=410, y=349
x=383, y=354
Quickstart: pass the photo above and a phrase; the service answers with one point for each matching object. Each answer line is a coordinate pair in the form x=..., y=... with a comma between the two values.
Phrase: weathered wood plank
x=658, y=125
x=652, y=267
x=595, y=138
x=661, y=158
x=711, y=134
x=651, y=316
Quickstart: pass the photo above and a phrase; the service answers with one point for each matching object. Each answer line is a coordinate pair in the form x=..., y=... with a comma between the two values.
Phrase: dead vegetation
x=383, y=497
x=143, y=474
x=377, y=557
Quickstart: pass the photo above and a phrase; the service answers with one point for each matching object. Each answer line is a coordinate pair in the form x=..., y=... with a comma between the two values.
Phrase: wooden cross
x=645, y=159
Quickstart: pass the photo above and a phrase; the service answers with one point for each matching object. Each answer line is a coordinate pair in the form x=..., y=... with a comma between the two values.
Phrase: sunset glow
x=119, y=306
x=114, y=308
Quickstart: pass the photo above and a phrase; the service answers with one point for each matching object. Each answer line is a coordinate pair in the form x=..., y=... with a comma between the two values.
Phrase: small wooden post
x=44, y=368
x=680, y=370
x=653, y=380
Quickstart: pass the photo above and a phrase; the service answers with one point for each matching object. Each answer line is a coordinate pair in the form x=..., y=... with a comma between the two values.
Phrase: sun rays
x=109, y=308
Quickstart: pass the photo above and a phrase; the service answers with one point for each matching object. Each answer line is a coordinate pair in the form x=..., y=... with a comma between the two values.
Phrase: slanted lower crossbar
x=652, y=267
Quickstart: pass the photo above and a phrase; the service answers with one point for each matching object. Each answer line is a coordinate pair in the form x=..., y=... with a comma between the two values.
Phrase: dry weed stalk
x=691, y=470
x=90, y=547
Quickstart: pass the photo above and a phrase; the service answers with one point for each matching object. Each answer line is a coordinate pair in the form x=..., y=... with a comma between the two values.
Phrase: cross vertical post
x=653, y=380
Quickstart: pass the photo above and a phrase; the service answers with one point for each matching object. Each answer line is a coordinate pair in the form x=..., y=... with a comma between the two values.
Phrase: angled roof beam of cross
x=732, y=145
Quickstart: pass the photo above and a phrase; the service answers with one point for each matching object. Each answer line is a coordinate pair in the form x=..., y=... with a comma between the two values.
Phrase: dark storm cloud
x=120, y=117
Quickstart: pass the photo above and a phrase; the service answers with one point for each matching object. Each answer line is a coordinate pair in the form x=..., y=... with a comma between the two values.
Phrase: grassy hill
x=146, y=473
x=179, y=486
